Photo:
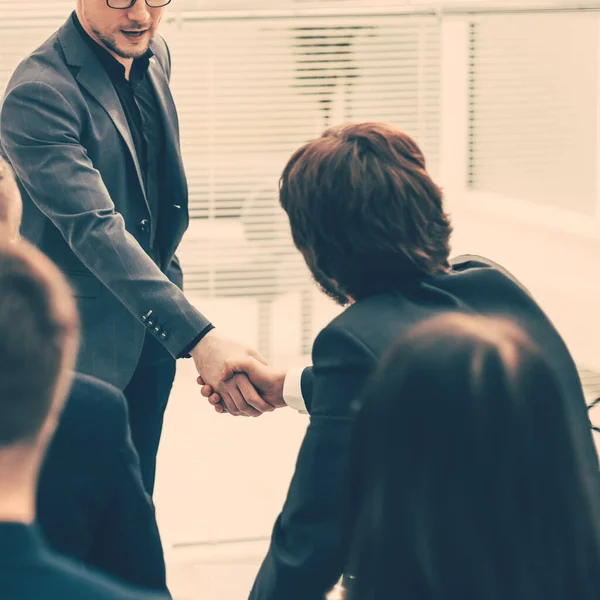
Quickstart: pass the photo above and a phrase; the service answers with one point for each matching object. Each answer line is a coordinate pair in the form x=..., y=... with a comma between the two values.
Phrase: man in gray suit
x=89, y=125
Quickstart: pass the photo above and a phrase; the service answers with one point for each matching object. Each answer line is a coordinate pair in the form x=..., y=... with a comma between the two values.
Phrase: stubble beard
x=112, y=45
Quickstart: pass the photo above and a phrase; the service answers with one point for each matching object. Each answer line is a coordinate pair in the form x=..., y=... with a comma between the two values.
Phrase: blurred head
x=38, y=346
x=466, y=476
x=125, y=32
x=364, y=211
x=11, y=207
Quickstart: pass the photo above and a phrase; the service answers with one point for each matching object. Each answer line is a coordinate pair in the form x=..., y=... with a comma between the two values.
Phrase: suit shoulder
x=44, y=65
x=340, y=344
x=375, y=311
x=466, y=262
x=490, y=275
x=95, y=402
x=94, y=390
x=76, y=582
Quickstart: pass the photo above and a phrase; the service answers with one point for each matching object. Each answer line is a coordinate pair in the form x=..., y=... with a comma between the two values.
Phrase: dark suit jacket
x=64, y=131
x=92, y=506
x=29, y=571
x=306, y=559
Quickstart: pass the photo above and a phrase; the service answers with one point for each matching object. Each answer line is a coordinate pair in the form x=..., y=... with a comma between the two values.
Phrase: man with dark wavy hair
x=370, y=222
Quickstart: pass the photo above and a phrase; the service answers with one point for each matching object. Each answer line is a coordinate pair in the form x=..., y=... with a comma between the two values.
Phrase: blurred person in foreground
x=91, y=503
x=39, y=334
x=467, y=478
x=371, y=225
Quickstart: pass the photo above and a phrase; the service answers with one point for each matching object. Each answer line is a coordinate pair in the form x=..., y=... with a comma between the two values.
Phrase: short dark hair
x=468, y=476
x=37, y=316
x=363, y=209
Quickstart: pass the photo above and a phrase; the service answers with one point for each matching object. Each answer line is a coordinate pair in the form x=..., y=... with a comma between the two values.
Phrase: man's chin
x=125, y=48
x=136, y=52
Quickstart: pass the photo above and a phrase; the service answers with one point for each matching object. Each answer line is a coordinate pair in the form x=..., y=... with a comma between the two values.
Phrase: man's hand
x=214, y=356
x=268, y=382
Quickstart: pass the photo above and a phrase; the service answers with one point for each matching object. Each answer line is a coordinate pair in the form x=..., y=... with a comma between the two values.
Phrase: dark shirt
x=30, y=571
x=144, y=118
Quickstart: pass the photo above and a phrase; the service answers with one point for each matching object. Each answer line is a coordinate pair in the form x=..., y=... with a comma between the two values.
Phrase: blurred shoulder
x=77, y=582
x=91, y=403
x=90, y=389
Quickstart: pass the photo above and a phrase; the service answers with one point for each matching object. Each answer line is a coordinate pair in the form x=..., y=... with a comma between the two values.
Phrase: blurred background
x=503, y=98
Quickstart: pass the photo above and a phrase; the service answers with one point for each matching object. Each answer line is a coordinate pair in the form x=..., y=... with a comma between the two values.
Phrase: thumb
x=246, y=364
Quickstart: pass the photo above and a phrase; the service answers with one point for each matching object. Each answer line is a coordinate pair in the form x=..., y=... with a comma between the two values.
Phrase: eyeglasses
x=124, y=4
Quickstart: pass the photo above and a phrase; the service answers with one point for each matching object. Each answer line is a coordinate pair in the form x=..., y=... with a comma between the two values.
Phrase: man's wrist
x=187, y=351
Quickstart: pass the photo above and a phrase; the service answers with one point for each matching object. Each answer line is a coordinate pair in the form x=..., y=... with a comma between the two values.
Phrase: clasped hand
x=235, y=379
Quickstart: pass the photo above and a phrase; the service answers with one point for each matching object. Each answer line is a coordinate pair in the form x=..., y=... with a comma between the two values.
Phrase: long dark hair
x=466, y=480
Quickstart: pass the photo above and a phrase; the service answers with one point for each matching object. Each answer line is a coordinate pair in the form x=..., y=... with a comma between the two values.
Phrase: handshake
x=236, y=379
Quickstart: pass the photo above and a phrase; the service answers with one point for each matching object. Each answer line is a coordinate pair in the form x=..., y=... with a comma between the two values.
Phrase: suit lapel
x=92, y=76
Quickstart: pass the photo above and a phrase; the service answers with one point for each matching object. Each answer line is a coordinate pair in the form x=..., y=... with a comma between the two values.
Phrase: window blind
x=23, y=14
x=23, y=27
x=249, y=92
x=533, y=108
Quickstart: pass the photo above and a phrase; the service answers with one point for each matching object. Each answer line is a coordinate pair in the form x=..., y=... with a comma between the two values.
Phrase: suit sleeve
x=126, y=542
x=306, y=557
x=306, y=386
x=40, y=134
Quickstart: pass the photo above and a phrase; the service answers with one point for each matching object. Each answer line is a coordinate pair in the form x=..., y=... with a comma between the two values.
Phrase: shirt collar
x=114, y=69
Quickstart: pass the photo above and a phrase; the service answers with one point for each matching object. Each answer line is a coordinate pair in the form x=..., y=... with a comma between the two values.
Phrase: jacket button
x=164, y=335
x=144, y=225
x=157, y=329
x=150, y=323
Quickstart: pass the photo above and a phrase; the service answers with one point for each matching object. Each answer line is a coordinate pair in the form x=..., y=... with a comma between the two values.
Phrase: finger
x=246, y=364
x=220, y=408
x=207, y=390
x=236, y=397
x=215, y=399
x=228, y=401
x=229, y=370
x=251, y=396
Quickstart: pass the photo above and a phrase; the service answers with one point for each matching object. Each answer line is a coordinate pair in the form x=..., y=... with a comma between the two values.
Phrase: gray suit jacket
x=64, y=131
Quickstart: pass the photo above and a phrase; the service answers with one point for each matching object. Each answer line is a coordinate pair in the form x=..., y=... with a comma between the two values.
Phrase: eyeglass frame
x=166, y=2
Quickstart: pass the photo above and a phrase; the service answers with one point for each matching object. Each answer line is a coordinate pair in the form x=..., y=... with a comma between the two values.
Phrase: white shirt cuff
x=292, y=390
